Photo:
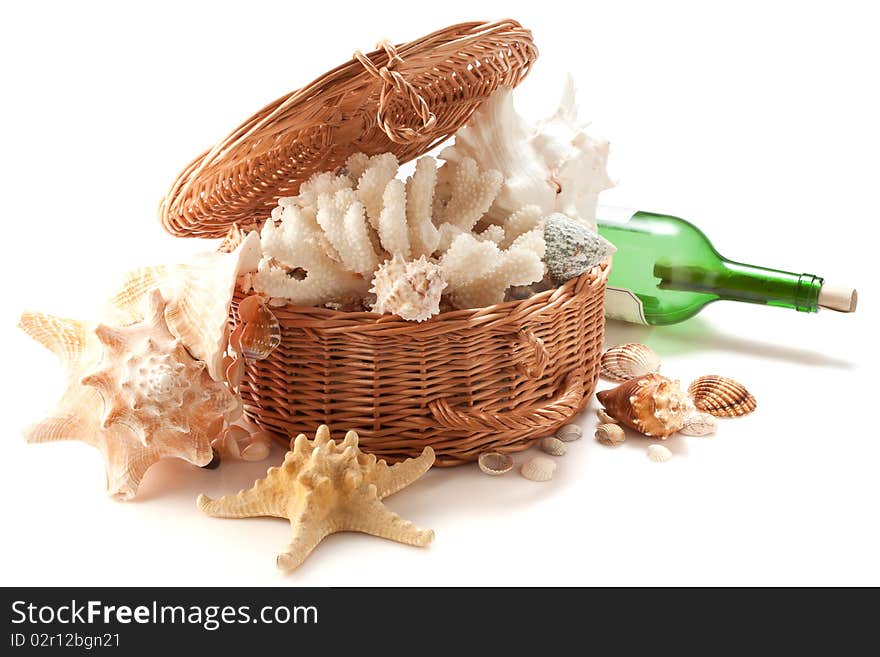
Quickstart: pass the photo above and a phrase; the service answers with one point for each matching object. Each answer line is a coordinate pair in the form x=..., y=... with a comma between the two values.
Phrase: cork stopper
x=838, y=297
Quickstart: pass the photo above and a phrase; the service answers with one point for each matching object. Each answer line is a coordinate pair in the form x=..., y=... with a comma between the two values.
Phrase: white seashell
x=235, y=372
x=255, y=451
x=628, y=361
x=555, y=165
x=261, y=436
x=603, y=416
x=277, y=302
x=698, y=424
x=552, y=445
x=410, y=290
x=539, y=468
x=569, y=433
x=495, y=463
x=659, y=453
x=610, y=434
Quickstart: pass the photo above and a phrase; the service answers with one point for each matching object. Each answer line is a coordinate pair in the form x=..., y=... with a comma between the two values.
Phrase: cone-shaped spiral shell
x=721, y=396
x=410, y=290
x=628, y=361
x=650, y=404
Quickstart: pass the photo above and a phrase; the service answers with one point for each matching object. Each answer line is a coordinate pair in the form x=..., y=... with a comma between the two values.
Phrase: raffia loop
x=536, y=346
x=395, y=82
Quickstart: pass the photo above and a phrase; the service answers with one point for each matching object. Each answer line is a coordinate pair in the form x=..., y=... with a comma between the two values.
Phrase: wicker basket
x=464, y=382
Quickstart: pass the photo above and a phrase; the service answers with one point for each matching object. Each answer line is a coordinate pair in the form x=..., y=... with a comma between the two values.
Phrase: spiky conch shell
x=410, y=290
x=133, y=392
x=652, y=405
x=323, y=488
x=554, y=165
x=198, y=296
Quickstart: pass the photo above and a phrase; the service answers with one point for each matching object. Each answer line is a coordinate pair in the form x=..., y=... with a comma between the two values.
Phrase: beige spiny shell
x=495, y=463
x=659, y=453
x=410, y=290
x=553, y=446
x=539, y=468
x=721, y=396
x=650, y=404
x=628, y=361
x=323, y=488
x=698, y=424
x=610, y=434
x=133, y=392
x=198, y=296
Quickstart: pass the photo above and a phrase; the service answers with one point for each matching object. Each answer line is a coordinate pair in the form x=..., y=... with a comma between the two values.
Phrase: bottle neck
x=736, y=281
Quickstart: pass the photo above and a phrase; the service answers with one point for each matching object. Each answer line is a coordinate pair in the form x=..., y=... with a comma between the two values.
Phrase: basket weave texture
x=401, y=99
x=464, y=382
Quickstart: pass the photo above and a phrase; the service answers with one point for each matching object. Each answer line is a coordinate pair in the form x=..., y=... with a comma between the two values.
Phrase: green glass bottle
x=666, y=270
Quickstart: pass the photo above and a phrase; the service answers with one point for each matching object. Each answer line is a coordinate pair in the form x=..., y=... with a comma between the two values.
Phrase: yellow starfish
x=323, y=488
x=134, y=393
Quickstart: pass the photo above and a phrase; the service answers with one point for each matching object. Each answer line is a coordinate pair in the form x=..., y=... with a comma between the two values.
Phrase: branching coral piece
x=393, y=231
x=479, y=272
x=424, y=238
x=520, y=222
x=464, y=194
x=380, y=170
x=341, y=217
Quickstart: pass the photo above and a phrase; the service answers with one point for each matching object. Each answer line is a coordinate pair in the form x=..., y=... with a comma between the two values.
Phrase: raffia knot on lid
x=394, y=81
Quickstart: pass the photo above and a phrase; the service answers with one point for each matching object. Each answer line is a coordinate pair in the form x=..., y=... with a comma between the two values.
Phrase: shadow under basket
x=464, y=382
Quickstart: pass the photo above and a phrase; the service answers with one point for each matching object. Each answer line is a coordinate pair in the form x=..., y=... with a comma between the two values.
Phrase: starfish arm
x=307, y=530
x=65, y=338
x=261, y=500
x=370, y=516
x=392, y=478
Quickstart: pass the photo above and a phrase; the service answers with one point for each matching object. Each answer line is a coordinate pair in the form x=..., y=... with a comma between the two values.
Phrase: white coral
x=555, y=165
x=479, y=273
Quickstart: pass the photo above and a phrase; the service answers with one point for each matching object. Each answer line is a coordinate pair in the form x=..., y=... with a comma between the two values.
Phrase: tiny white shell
x=255, y=451
x=610, y=434
x=698, y=424
x=539, y=468
x=569, y=432
x=603, y=416
x=495, y=463
x=659, y=453
x=552, y=445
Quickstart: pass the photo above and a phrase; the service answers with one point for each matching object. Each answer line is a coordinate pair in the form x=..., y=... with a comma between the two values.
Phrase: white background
x=758, y=121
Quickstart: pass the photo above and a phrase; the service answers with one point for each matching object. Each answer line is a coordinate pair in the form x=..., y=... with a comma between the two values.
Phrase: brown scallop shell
x=721, y=396
x=627, y=361
x=650, y=404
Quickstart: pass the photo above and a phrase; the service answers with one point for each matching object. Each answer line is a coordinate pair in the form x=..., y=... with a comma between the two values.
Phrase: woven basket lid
x=402, y=99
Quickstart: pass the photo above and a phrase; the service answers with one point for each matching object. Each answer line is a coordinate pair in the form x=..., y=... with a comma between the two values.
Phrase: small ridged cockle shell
x=721, y=396
x=553, y=446
x=628, y=361
x=698, y=424
x=539, y=468
x=650, y=404
x=659, y=453
x=603, y=416
x=569, y=433
x=495, y=463
x=610, y=434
